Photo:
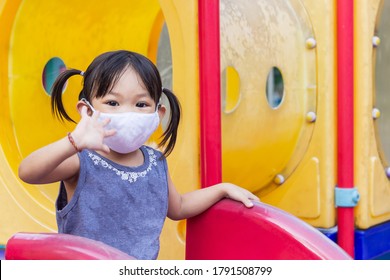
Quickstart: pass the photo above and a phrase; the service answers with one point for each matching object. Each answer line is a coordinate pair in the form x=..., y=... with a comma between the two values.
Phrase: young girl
x=113, y=188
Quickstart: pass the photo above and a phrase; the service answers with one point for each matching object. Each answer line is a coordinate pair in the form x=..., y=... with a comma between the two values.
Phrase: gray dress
x=124, y=207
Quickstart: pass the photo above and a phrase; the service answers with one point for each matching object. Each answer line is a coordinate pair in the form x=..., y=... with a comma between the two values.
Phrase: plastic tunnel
x=38, y=39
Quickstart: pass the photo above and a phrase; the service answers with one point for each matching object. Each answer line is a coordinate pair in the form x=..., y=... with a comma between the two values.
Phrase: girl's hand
x=90, y=133
x=239, y=194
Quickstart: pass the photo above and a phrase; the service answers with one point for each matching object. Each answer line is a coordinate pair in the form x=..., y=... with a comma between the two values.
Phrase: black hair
x=102, y=75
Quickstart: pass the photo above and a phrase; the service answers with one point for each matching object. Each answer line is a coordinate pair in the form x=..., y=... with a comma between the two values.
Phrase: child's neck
x=132, y=159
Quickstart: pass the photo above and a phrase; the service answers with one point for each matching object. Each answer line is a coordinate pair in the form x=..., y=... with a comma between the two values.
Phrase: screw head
x=376, y=41
x=311, y=43
x=376, y=113
x=311, y=117
x=279, y=179
x=387, y=171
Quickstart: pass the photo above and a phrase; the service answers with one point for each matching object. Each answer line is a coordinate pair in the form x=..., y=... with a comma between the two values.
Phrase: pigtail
x=57, y=107
x=170, y=134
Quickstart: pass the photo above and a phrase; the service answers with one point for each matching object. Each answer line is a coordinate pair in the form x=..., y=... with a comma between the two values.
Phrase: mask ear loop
x=88, y=104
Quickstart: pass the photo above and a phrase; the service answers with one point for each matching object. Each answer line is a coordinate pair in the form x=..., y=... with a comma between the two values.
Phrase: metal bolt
x=376, y=113
x=387, y=171
x=376, y=41
x=311, y=117
x=279, y=179
x=311, y=43
x=355, y=196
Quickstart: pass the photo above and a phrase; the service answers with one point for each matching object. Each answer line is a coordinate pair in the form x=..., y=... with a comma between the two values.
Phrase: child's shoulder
x=152, y=151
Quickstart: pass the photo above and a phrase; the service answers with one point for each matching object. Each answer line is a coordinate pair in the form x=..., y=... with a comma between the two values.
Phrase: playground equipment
x=54, y=246
x=231, y=231
x=259, y=90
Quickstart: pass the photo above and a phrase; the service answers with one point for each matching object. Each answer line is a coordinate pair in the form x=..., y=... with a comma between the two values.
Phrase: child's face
x=128, y=95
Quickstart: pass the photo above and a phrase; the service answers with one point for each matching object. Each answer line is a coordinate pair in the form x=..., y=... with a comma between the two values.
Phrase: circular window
x=257, y=71
x=53, y=68
x=274, y=87
x=230, y=89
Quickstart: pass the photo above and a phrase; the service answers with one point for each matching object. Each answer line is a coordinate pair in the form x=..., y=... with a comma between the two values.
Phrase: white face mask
x=132, y=129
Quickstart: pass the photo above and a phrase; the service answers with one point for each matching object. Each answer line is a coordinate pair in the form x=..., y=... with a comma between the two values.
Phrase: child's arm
x=193, y=203
x=54, y=162
x=58, y=161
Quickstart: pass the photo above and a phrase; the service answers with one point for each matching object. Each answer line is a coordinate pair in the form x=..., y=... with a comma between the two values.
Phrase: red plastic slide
x=52, y=246
x=230, y=231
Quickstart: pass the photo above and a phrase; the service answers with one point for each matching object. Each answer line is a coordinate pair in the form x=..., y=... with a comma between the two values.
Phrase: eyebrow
x=142, y=94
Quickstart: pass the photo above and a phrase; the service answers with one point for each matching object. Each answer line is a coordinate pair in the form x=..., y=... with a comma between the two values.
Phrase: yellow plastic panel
x=230, y=89
x=317, y=169
x=277, y=151
x=255, y=38
x=33, y=32
x=379, y=190
x=13, y=216
x=372, y=136
x=181, y=19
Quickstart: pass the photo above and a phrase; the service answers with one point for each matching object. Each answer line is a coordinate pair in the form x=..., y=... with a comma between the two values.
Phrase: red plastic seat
x=53, y=246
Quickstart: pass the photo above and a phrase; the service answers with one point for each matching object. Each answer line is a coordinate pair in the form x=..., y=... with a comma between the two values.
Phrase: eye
x=112, y=103
x=141, y=104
